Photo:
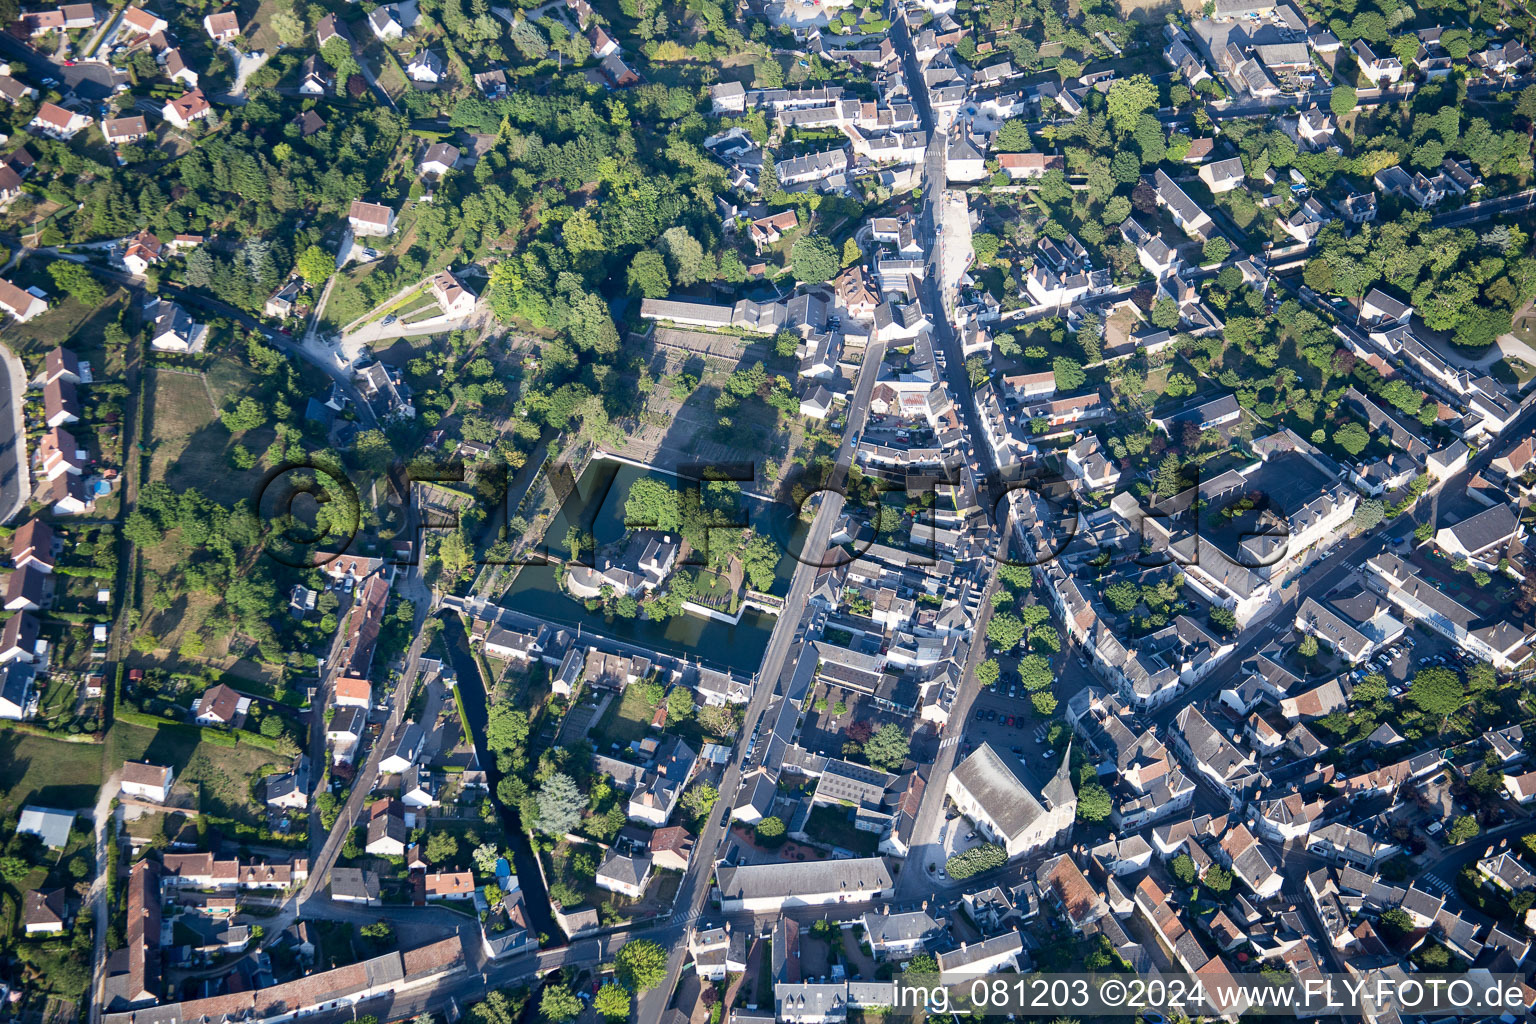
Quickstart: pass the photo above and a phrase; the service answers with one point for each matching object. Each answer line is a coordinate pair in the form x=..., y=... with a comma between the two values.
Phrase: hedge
x=975, y=860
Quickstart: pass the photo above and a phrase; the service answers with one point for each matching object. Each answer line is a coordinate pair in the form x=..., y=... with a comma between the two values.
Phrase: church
x=991, y=790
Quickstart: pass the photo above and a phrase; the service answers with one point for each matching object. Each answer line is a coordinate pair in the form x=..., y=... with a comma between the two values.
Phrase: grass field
x=48, y=772
x=190, y=447
x=68, y=323
x=220, y=777
x=627, y=718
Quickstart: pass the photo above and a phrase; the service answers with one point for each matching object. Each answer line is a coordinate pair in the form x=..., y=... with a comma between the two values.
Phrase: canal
x=524, y=861
x=598, y=507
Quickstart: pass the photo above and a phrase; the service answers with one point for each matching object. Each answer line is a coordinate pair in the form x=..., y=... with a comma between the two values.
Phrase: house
x=57, y=123
x=728, y=98
x=10, y=181
x=972, y=960
x=426, y=68
x=1483, y=537
x=387, y=834
x=353, y=693
x=1029, y=166
x=403, y=752
x=63, y=18
x=290, y=789
x=24, y=590
x=1376, y=68
x=1380, y=310
x=718, y=952
x=331, y=27
x=173, y=329
x=61, y=404
x=32, y=545
x=451, y=295
x=991, y=790
x=1223, y=175
x=142, y=251
x=14, y=90
x=492, y=84
x=900, y=936
x=43, y=913
x=281, y=302
x=138, y=21
x=344, y=732
x=352, y=885
x=68, y=496
x=222, y=26
x=439, y=159
x=183, y=110
x=58, y=453
x=766, y=231
x=219, y=705
x=765, y=888
x=602, y=43
x=965, y=160
x=146, y=781
x=16, y=689
x=626, y=876
x=119, y=131
x=618, y=74
x=450, y=885
x=1185, y=213
x=370, y=219
x=177, y=69
x=385, y=22
x=314, y=76
x=309, y=123
x=49, y=824
x=23, y=305
x=671, y=848
x=18, y=642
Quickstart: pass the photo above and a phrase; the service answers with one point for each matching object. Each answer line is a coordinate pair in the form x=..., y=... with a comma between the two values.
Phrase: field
x=219, y=778
x=68, y=323
x=628, y=718
x=189, y=447
x=47, y=772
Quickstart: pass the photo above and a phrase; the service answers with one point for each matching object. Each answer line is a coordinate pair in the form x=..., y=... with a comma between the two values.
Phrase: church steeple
x=1060, y=792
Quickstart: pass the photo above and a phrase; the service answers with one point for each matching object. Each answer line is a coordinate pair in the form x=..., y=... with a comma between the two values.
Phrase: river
x=472, y=689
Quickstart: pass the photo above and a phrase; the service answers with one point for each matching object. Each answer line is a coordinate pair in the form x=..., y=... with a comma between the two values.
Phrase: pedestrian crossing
x=1435, y=882
x=948, y=741
x=687, y=916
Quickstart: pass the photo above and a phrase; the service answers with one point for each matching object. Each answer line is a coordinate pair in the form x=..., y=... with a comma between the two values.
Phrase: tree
x=648, y=276
x=641, y=965
x=315, y=265
x=770, y=832
x=77, y=281
x=1223, y=618
x=1183, y=867
x=985, y=246
x=887, y=749
x=612, y=1002
x=700, y=800
x=1035, y=672
x=1216, y=249
x=1368, y=514
x=1463, y=828
x=559, y=1004
x=1069, y=374
x=1005, y=631
x=1307, y=648
x=560, y=805
x=1342, y=100
x=1165, y=314
x=1093, y=803
x=246, y=415
x=1044, y=702
x=987, y=672
x=1352, y=438
x=272, y=727
x=1128, y=99
x=851, y=252
x=679, y=705
x=1438, y=692
x=1218, y=879
x=442, y=847
x=485, y=856
x=813, y=259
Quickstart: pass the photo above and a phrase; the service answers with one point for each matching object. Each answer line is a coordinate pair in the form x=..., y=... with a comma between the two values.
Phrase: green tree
x=648, y=276
x=641, y=965
x=1183, y=867
x=813, y=259
x=769, y=832
x=1463, y=828
x=1438, y=692
x=1069, y=374
x=78, y=281
x=559, y=1004
x=1165, y=314
x=1342, y=100
x=315, y=265
x=679, y=705
x=442, y=847
x=1128, y=99
x=560, y=804
x=1351, y=437
x=1005, y=631
x=987, y=672
x=1094, y=803
x=1216, y=249
x=887, y=749
x=851, y=252
x=1218, y=879
x=612, y=1002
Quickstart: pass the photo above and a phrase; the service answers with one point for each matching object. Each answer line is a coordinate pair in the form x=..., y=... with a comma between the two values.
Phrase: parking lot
x=1411, y=653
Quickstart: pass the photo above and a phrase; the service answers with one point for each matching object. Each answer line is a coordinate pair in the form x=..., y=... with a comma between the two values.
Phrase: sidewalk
x=14, y=394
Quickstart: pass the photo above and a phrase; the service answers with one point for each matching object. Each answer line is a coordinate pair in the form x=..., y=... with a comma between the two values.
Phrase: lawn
x=67, y=323
x=219, y=776
x=834, y=825
x=628, y=718
x=48, y=772
x=190, y=447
